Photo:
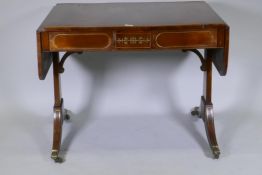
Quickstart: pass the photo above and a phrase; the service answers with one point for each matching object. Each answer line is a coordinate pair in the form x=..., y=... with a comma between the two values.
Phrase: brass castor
x=55, y=157
x=205, y=112
x=215, y=151
x=66, y=115
x=195, y=112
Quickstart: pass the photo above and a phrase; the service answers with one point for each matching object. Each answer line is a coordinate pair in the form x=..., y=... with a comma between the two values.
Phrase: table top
x=142, y=14
x=77, y=27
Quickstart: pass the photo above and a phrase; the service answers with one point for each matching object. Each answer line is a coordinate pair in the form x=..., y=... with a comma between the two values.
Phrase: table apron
x=129, y=40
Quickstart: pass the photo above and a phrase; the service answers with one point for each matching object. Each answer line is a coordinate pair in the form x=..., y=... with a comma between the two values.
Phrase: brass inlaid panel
x=133, y=40
x=186, y=39
x=81, y=41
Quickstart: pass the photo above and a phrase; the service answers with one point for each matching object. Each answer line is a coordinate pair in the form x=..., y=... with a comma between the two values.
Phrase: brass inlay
x=126, y=40
x=133, y=40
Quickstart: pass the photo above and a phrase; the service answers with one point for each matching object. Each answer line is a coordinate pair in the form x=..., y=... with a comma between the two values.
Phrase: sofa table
x=188, y=26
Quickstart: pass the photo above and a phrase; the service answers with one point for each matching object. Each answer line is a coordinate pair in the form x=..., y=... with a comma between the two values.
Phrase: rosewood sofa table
x=186, y=26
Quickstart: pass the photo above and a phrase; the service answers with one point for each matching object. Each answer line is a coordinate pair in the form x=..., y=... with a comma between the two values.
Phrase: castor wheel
x=215, y=151
x=55, y=157
x=66, y=116
x=195, y=112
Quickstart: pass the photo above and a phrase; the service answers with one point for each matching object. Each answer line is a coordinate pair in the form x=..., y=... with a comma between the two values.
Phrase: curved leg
x=210, y=130
x=57, y=132
x=205, y=111
x=60, y=114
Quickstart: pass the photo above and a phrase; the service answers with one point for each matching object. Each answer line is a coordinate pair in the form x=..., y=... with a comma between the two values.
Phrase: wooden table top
x=76, y=27
x=146, y=14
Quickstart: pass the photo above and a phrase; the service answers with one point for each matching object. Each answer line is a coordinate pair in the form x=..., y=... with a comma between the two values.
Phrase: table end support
x=205, y=111
x=60, y=114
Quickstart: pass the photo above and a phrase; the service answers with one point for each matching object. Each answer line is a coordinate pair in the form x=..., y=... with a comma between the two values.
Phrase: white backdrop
x=130, y=110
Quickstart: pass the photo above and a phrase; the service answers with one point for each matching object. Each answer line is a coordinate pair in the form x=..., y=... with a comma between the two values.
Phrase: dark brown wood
x=173, y=39
x=58, y=110
x=220, y=55
x=207, y=88
x=199, y=25
x=56, y=75
x=79, y=41
x=205, y=111
x=44, y=58
x=129, y=15
x=133, y=26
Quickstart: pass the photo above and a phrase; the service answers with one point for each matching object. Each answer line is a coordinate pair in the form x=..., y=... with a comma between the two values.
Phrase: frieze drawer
x=79, y=41
x=188, y=39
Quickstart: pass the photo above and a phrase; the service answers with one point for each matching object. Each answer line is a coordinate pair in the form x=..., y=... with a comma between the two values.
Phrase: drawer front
x=186, y=39
x=129, y=40
x=79, y=41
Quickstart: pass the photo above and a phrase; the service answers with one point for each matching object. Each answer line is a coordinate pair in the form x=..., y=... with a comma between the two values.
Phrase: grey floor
x=130, y=112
